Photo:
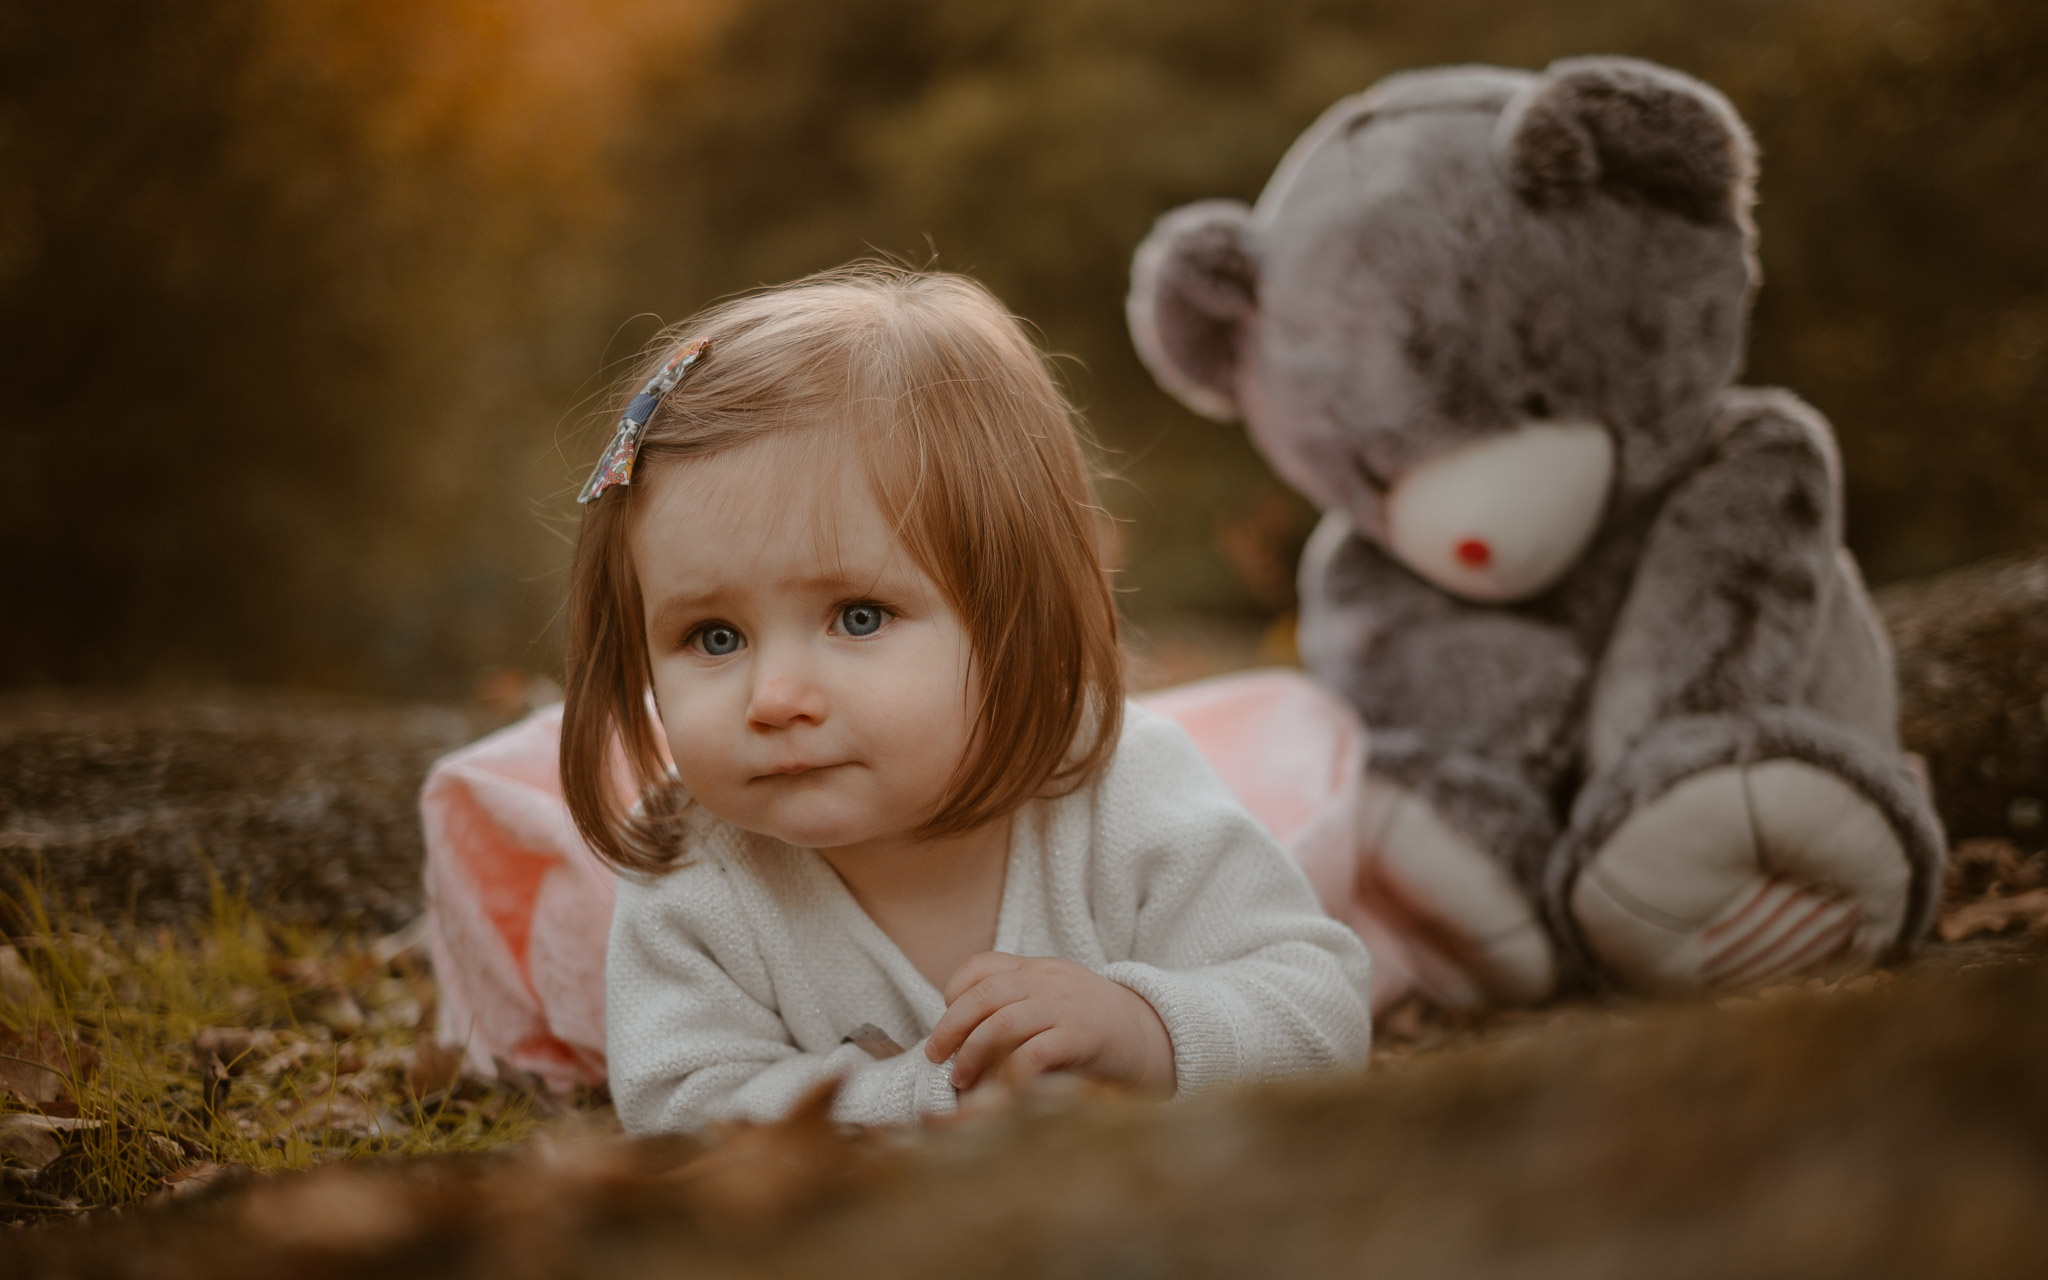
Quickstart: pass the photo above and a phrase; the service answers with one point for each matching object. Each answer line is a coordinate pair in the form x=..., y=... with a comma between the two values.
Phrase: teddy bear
x=1632, y=717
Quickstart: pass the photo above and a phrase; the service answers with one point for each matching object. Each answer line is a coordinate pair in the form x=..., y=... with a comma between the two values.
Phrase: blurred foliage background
x=309, y=308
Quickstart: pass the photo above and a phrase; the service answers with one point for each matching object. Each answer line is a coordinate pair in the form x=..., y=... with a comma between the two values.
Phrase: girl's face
x=814, y=685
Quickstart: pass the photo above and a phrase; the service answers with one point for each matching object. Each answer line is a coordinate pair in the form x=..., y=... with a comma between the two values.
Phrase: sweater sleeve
x=691, y=1032
x=1227, y=940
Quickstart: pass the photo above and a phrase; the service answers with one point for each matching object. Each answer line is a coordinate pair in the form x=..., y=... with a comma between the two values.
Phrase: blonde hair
x=976, y=457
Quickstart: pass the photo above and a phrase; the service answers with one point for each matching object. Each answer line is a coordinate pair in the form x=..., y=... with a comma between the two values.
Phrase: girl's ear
x=1194, y=287
x=1633, y=131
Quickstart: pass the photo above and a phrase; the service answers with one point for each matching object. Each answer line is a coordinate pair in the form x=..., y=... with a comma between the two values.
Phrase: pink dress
x=519, y=908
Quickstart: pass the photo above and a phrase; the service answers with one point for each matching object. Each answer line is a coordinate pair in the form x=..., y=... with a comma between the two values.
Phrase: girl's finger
x=977, y=967
x=968, y=1009
x=1051, y=1049
x=998, y=1035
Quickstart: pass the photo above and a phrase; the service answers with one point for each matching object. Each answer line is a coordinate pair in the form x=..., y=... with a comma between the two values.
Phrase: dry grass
x=137, y=1064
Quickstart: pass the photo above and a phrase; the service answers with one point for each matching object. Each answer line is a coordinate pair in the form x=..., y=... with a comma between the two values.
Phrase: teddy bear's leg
x=1726, y=850
x=1475, y=932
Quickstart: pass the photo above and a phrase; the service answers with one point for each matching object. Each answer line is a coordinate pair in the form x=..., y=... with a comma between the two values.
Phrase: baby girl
x=840, y=606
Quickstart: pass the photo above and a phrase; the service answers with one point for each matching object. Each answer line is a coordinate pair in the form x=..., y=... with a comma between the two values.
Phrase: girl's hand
x=1046, y=1015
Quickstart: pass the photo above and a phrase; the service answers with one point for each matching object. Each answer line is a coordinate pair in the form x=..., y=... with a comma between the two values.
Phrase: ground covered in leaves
x=141, y=1065
x=156, y=1087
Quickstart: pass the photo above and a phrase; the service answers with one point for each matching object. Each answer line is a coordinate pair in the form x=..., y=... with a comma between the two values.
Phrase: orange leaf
x=1995, y=915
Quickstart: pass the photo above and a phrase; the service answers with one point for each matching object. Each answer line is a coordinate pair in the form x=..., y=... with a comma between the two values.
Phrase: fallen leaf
x=1995, y=915
x=304, y=971
x=199, y=1176
x=38, y=1063
x=405, y=1013
x=335, y=1109
x=25, y=1142
x=166, y=1152
x=1990, y=867
x=394, y=1058
x=32, y=1139
x=294, y=1052
x=231, y=1045
x=338, y=1010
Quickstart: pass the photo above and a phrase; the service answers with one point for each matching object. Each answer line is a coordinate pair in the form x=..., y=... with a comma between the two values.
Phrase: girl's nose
x=783, y=696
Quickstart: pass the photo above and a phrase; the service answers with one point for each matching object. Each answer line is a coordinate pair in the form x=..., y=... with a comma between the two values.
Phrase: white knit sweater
x=733, y=981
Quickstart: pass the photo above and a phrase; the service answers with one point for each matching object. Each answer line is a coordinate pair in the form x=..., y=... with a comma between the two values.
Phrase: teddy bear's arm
x=1471, y=708
x=1426, y=668
x=1737, y=581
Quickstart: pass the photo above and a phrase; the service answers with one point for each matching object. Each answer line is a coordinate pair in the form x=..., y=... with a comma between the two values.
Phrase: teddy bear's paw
x=1474, y=936
x=1738, y=875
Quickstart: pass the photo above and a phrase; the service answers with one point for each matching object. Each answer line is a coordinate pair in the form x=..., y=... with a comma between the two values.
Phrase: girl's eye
x=717, y=640
x=862, y=619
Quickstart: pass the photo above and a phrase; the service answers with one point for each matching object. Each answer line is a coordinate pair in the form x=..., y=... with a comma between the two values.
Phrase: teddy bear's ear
x=1632, y=130
x=1193, y=288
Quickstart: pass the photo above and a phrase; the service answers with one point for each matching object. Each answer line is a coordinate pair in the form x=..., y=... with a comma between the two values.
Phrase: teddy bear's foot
x=1474, y=936
x=1740, y=874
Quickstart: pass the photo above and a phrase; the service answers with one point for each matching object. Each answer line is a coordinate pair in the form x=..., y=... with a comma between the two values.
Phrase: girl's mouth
x=792, y=770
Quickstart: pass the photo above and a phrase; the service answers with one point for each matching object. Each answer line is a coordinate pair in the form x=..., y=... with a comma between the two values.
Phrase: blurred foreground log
x=312, y=802
x=1888, y=1126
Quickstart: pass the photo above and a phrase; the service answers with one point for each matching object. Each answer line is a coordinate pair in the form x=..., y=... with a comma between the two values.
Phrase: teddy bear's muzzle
x=1504, y=518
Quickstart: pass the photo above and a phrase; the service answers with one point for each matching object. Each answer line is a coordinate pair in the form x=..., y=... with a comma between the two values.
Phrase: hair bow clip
x=616, y=464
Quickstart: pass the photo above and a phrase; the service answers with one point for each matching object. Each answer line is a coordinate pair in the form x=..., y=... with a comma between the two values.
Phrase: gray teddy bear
x=1632, y=715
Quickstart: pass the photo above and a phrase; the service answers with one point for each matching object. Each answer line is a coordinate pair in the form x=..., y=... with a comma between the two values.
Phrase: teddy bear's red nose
x=1474, y=553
